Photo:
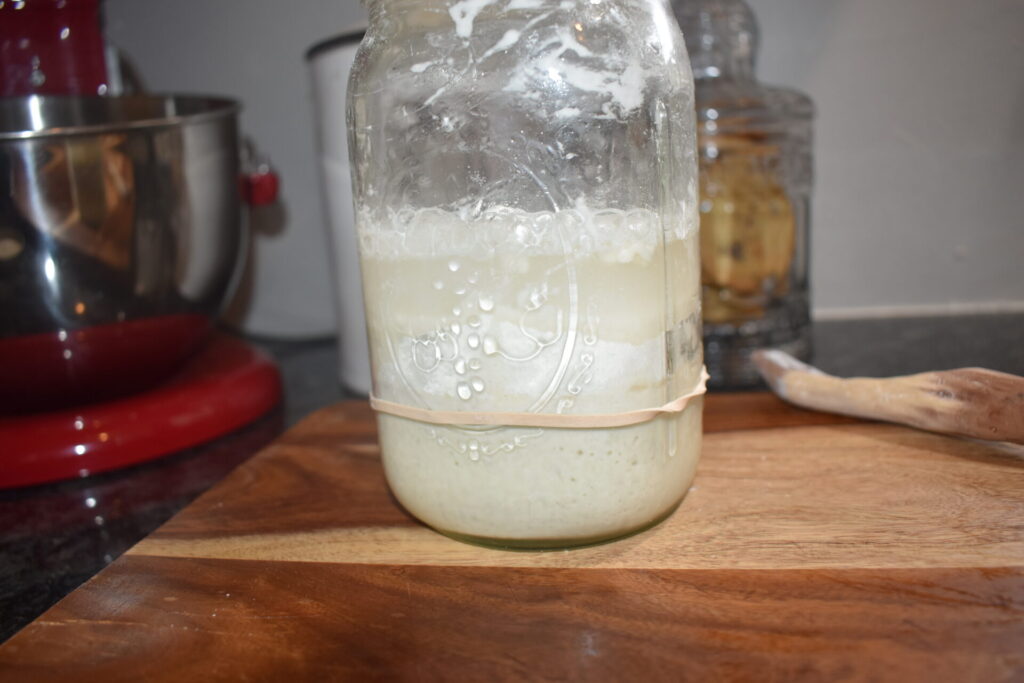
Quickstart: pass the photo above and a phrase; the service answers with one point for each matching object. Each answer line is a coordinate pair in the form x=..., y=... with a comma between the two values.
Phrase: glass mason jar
x=525, y=189
x=755, y=181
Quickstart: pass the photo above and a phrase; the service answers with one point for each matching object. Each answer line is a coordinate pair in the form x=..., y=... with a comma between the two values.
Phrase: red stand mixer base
x=226, y=385
x=56, y=370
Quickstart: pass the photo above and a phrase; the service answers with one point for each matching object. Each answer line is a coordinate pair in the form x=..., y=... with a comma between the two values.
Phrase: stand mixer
x=120, y=239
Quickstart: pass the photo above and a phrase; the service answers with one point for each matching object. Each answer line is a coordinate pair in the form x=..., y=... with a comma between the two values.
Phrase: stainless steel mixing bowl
x=120, y=235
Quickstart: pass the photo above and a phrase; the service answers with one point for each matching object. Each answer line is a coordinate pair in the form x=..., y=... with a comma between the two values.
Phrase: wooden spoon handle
x=973, y=402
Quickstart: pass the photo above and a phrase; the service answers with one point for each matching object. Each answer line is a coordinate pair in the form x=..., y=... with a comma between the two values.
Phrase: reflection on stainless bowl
x=119, y=241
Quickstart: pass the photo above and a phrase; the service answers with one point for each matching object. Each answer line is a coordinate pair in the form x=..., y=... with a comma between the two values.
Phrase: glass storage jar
x=755, y=186
x=525, y=190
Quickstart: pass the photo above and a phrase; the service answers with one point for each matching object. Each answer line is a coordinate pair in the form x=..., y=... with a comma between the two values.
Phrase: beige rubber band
x=468, y=417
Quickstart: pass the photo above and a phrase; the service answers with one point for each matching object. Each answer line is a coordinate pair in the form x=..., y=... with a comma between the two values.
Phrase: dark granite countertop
x=54, y=537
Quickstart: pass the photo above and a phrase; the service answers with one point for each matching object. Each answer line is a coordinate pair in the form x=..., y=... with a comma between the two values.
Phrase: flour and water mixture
x=555, y=312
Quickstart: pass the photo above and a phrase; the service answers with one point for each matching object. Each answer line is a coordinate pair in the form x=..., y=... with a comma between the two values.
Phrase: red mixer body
x=52, y=47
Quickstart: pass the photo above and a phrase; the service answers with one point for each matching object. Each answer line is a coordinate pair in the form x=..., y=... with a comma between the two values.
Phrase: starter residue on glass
x=558, y=55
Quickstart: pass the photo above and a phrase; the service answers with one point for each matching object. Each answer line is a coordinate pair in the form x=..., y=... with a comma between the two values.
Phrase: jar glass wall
x=525, y=185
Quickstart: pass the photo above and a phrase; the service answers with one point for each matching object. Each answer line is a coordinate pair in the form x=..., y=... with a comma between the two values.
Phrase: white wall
x=919, y=198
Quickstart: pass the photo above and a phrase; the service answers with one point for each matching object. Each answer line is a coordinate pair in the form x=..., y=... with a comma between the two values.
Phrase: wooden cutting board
x=811, y=547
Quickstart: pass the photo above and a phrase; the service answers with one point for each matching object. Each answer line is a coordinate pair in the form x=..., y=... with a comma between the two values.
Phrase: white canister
x=330, y=62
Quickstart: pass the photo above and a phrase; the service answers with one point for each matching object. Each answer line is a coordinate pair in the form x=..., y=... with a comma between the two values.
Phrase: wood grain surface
x=810, y=547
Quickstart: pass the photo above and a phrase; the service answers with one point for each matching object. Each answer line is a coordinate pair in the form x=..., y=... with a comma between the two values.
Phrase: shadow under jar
x=525, y=188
